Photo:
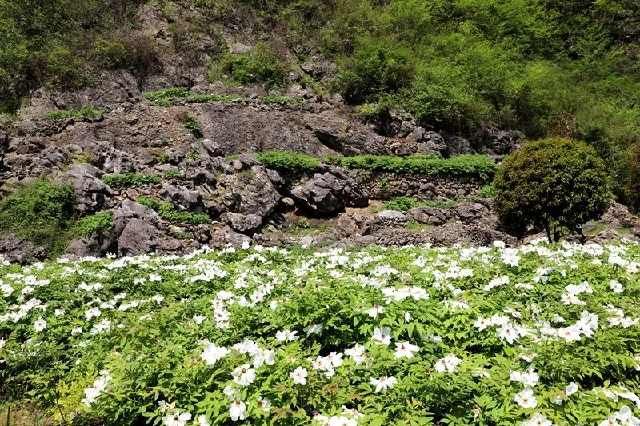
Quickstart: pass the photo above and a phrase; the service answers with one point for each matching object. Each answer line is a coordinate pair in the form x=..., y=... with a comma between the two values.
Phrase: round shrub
x=555, y=185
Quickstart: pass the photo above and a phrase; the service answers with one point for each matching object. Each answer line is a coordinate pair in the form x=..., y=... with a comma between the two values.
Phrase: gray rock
x=182, y=197
x=392, y=216
x=248, y=192
x=429, y=215
x=18, y=250
x=245, y=224
x=225, y=236
x=90, y=192
x=328, y=194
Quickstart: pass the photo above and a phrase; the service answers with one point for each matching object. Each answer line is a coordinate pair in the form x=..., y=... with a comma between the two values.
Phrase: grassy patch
x=178, y=95
x=289, y=161
x=129, y=180
x=404, y=204
x=88, y=225
x=84, y=113
x=259, y=65
x=39, y=212
x=168, y=212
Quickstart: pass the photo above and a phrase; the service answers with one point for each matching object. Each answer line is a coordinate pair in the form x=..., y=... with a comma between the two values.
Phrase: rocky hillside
x=176, y=159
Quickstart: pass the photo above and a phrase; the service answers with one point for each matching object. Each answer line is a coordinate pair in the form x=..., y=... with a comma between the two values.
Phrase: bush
x=178, y=95
x=39, y=212
x=259, y=65
x=373, y=71
x=129, y=180
x=84, y=113
x=95, y=223
x=554, y=184
x=191, y=124
x=132, y=51
x=632, y=187
x=168, y=212
x=289, y=161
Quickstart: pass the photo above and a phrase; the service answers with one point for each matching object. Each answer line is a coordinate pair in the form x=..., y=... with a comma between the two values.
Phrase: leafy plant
x=92, y=224
x=553, y=184
x=168, y=212
x=289, y=161
x=259, y=65
x=39, y=212
x=129, y=180
x=177, y=95
x=84, y=113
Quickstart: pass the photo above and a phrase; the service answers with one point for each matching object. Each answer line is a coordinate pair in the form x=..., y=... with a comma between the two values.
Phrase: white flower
x=76, y=331
x=314, y=329
x=244, y=375
x=528, y=378
x=537, y=420
x=99, y=385
x=356, y=353
x=405, y=350
x=299, y=376
x=286, y=336
x=375, y=311
x=213, y=353
x=39, y=325
x=382, y=335
x=2, y=343
x=58, y=312
x=571, y=388
x=202, y=421
x=383, y=383
x=448, y=364
x=237, y=410
x=616, y=286
x=199, y=319
x=526, y=398
x=92, y=313
x=176, y=419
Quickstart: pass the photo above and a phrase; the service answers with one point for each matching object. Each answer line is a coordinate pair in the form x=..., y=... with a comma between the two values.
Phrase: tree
x=555, y=185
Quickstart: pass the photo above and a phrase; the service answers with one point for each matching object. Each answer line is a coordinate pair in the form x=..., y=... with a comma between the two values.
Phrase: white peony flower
x=526, y=398
x=244, y=375
x=213, y=353
x=383, y=383
x=237, y=410
x=299, y=376
x=537, y=420
x=448, y=364
x=382, y=335
x=286, y=336
x=571, y=388
x=39, y=325
x=405, y=350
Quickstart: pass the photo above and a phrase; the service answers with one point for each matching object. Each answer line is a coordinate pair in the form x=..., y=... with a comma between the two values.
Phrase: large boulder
x=91, y=193
x=245, y=224
x=18, y=250
x=182, y=197
x=249, y=191
x=327, y=194
x=136, y=229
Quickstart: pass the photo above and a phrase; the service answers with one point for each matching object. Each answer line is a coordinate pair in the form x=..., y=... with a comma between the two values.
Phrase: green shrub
x=259, y=65
x=632, y=184
x=487, y=191
x=168, y=212
x=178, y=95
x=83, y=113
x=402, y=204
x=554, y=185
x=191, y=124
x=129, y=180
x=375, y=70
x=95, y=223
x=39, y=212
x=289, y=161
x=130, y=51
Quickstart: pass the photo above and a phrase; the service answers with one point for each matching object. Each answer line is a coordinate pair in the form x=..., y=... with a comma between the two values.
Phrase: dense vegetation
x=473, y=166
x=546, y=67
x=403, y=336
x=554, y=184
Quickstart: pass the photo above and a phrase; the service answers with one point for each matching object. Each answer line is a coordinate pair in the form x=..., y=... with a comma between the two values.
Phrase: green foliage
x=39, y=212
x=289, y=161
x=632, y=185
x=92, y=224
x=192, y=125
x=487, y=191
x=259, y=65
x=168, y=212
x=129, y=180
x=553, y=184
x=404, y=203
x=564, y=316
x=83, y=113
x=178, y=95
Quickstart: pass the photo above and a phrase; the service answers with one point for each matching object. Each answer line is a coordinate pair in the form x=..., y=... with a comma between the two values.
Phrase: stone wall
x=383, y=186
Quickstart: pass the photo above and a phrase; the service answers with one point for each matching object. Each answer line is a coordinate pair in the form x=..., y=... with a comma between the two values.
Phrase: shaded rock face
x=329, y=193
x=18, y=250
x=249, y=191
x=91, y=193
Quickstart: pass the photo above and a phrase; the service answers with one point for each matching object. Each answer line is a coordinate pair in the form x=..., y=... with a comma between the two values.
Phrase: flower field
x=538, y=335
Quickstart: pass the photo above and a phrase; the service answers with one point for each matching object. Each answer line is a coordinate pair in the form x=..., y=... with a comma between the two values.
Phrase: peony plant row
x=535, y=335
